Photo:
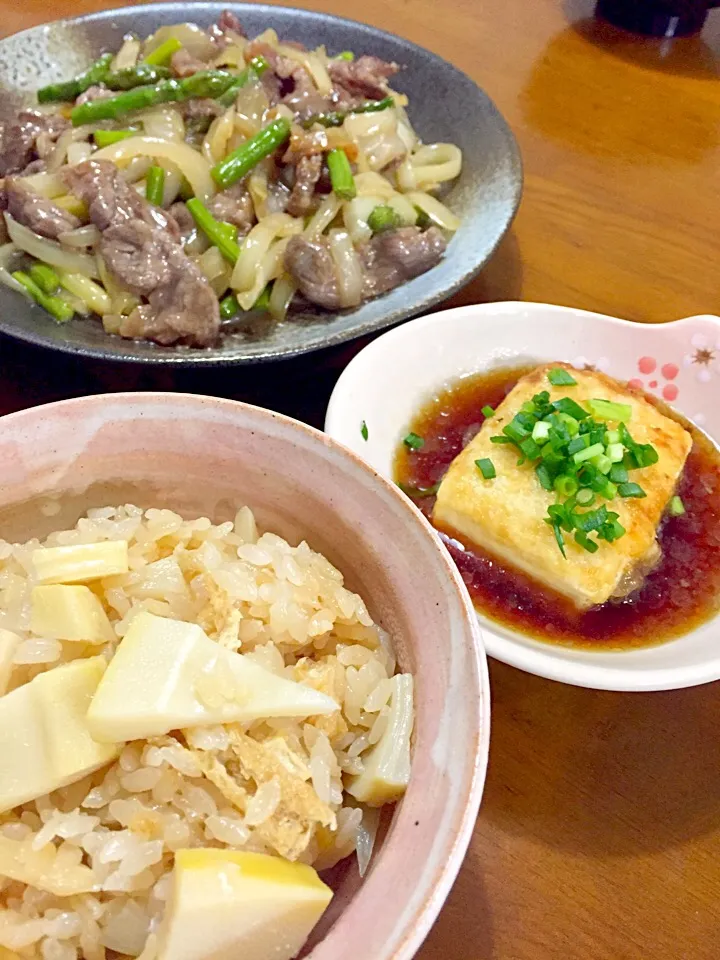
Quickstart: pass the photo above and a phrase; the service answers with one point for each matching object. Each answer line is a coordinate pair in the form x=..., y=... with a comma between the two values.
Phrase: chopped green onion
x=559, y=538
x=45, y=277
x=602, y=462
x=571, y=424
x=631, y=490
x=616, y=451
x=155, y=185
x=486, y=410
x=501, y=440
x=561, y=378
x=591, y=519
x=516, y=431
x=578, y=443
x=103, y=138
x=608, y=489
x=530, y=449
x=607, y=410
x=486, y=468
x=584, y=541
x=364, y=430
x=229, y=306
x=543, y=475
x=585, y=497
x=564, y=485
x=242, y=160
x=414, y=442
x=162, y=54
x=345, y=55
x=612, y=436
x=618, y=473
x=541, y=431
x=341, y=177
x=382, y=218
x=676, y=507
x=58, y=308
x=592, y=451
x=572, y=409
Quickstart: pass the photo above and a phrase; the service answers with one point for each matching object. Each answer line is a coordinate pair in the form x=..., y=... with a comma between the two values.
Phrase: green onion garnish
x=584, y=540
x=486, y=410
x=572, y=409
x=345, y=55
x=676, y=508
x=585, y=497
x=561, y=378
x=414, y=442
x=364, y=430
x=618, y=473
x=607, y=410
x=631, y=490
x=486, y=468
x=565, y=486
x=500, y=440
x=592, y=451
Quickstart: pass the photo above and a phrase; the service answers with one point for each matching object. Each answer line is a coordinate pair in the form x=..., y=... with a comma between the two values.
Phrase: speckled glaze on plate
x=205, y=456
x=445, y=105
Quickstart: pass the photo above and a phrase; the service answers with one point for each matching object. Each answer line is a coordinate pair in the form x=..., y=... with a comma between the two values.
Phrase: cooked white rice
x=273, y=786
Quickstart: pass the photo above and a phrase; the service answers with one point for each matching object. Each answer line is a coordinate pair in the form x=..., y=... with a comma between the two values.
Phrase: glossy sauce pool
x=681, y=592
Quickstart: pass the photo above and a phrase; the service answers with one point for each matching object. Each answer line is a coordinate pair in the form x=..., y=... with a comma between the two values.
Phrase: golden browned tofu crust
x=505, y=516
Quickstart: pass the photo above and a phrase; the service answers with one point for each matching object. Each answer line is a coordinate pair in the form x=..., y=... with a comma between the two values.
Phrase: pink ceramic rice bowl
x=205, y=456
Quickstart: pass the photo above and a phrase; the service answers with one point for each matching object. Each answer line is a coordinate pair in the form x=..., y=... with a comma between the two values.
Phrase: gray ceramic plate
x=445, y=105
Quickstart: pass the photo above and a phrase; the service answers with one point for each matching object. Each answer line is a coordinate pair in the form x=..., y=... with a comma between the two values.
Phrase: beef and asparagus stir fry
x=199, y=174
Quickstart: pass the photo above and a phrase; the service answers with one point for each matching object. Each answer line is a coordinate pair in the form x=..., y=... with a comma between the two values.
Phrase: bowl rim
x=504, y=644
x=411, y=937
x=186, y=357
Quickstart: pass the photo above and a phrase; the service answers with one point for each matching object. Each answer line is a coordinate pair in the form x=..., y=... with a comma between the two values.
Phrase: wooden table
x=599, y=836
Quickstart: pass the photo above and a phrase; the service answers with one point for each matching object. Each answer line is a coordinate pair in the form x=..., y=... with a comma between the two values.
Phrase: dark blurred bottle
x=658, y=18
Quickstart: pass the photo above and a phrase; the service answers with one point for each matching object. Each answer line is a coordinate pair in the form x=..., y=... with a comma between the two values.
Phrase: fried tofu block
x=505, y=516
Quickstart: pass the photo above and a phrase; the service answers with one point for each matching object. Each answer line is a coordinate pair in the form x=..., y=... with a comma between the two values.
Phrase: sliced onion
x=163, y=123
x=281, y=296
x=137, y=169
x=233, y=55
x=251, y=105
x=216, y=270
x=215, y=144
x=440, y=215
x=404, y=209
x=355, y=217
x=258, y=190
x=314, y=66
x=367, y=832
x=271, y=266
x=91, y=294
x=78, y=152
x=190, y=162
x=7, y=252
x=172, y=184
x=373, y=185
x=127, y=55
x=347, y=268
x=269, y=37
x=47, y=184
x=256, y=245
x=436, y=163
x=323, y=217
x=194, y=40
x=86, y=236
x=50, y=252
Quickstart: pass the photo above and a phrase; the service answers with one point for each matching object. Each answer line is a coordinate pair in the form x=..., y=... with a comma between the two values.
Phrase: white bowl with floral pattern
x=387, y=383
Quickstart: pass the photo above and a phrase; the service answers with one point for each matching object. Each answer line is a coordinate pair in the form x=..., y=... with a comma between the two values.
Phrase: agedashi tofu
x=229, y=905
x=66, y=612
x=45, y=743
x=168, y=674
x=387, y=764
x=505, y=514
x=87, y=561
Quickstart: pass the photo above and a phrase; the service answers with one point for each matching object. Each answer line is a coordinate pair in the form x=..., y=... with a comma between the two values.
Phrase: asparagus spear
x=336, y=118
x=59, y=309
x=130, y=77
x=341, y=176
x=216, y=231
x=154, y=185
x=229, y=306
x=45, y=277
x=382, y=218
x=103, y=138
x=163, y=54
x=205, y=83
x=250, y=153
x=73, y=88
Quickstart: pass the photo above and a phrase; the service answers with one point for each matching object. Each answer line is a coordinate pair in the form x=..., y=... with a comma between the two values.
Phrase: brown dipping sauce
x=680, y=593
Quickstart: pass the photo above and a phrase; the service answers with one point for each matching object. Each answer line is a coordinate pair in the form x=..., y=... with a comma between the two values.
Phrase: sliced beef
x=235, y=206
x=311, y=264
x=198, y=114
x=110, y=199
x=288, y=82
x=36, y=212
x=305, y=143
x=362, y=79
x=181, y=304
x=28, y=137
x=307, y=174
x=184, y=219
x=395, y=256
x=140, y=246
x=222, y=31
x=388, y=260
x=184, y=64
